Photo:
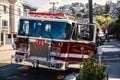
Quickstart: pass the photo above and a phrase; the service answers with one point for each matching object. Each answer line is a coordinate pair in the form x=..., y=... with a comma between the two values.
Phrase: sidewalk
x=6, y=48
x=6, y=52
x=113, y=68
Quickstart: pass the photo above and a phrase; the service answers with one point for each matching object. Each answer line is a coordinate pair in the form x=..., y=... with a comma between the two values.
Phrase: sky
x=44, y=5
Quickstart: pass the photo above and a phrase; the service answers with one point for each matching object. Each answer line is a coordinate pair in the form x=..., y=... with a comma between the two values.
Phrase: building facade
x=10, y=12
x=16, y=11
x=4, y=21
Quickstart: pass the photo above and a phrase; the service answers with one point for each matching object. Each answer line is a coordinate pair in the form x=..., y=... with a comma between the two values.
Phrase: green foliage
x=98, y=25
x=100, y=19
x=73, y=10
x=104, y=22
x=85, y=15
x=109, y=19
x=79, y=15
x=91, y=71
x=107, y=8
x=108, y=22
x=119, y=16
x=116, y=28
x=99, y=10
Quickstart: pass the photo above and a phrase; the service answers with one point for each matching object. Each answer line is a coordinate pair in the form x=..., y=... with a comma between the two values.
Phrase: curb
x=5, y=57
x=6, y=50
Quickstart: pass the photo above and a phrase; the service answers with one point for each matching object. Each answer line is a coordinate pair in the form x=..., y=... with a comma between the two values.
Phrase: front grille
x=38, y=50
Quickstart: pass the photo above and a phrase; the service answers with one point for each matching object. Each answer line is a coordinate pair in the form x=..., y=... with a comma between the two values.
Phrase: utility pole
x=90, y=12
x=53, y=3
x=91, y=19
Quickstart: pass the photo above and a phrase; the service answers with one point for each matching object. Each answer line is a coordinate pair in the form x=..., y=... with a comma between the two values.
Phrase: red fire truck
x=54, y=42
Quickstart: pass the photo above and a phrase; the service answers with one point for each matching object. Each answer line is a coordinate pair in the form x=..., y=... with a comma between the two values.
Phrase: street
x=111, y=57
x=13, y=71
x=20, y=72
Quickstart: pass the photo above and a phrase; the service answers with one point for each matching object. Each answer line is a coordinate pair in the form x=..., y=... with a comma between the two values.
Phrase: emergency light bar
x=47, y=14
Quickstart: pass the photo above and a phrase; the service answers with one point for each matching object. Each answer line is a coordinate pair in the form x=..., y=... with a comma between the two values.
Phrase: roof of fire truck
x=49, y=17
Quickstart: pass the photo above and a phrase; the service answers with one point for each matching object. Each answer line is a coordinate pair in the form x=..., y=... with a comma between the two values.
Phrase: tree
x=85, y=15
x=108, y=22
x=98, y=10
x=116, y=28
x=100, y=19
x=91, y=71
x=109, y=19
x=79, y=15
x=107, y=8
x=104, y=22
x=73, y=10
x=98, y=25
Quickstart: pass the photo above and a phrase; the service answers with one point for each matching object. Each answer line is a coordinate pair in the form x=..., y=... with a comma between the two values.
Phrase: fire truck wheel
x=16, y=60
x=20, y=60
x=34, y=63
x=37, y=63
x=66, y=66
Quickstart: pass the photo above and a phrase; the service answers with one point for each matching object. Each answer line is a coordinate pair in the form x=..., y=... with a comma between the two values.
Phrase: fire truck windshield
x=45, y=29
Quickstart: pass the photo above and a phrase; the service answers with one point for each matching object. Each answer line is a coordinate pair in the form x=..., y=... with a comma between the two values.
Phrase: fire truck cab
x=54, y=43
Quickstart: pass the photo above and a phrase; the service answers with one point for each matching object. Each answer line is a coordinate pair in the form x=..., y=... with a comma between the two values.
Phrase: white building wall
x=0, y=23
x=17, y=9
x=17, y=6
x=4, y=16
x=14, y=20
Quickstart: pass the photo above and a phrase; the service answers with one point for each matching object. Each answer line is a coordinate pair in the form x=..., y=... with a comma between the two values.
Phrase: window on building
x=9, y=35
x=19, y=12
x=4, y=24
x=4, y=9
